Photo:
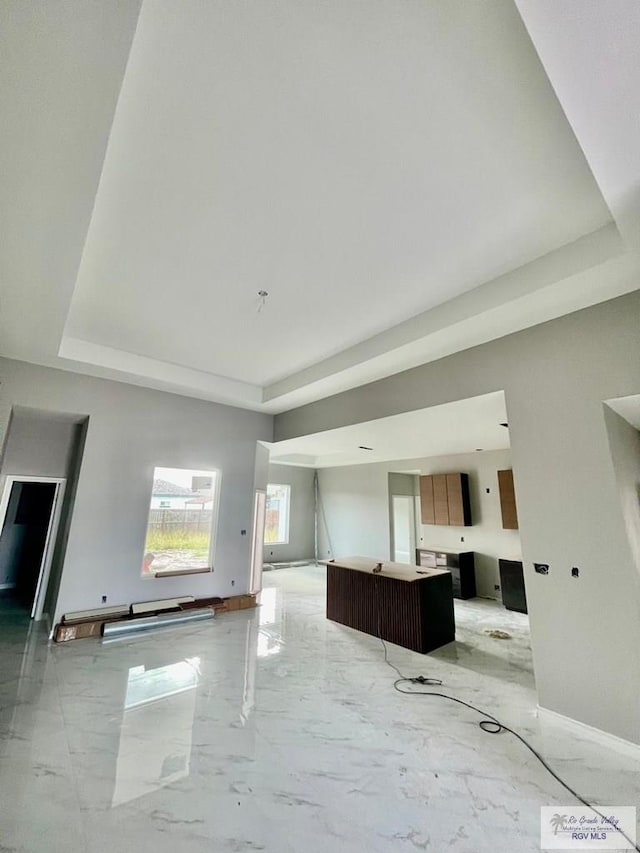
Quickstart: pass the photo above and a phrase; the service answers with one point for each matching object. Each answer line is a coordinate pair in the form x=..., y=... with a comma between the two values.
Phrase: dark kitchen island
x=400, y=604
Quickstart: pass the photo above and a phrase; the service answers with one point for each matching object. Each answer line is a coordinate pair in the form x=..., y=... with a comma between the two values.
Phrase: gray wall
x=403, y=484
x=356, y=500
x=41, y=445
x=73, y=473
x=130, y=431
x=624, y=440
x=354, y=511
x=38, y=446
x=11, y=540
x=301, y=516
x=585, y=631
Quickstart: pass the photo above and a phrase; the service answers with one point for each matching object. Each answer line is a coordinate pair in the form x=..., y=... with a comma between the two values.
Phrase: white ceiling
x=404, y=183
x=459, y=427
x=590, y=52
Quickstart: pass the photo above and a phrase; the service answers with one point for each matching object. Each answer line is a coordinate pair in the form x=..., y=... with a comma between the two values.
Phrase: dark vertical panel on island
x=417, y=615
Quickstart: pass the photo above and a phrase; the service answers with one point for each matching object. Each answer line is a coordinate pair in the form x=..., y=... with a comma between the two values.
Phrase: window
x=276, y=531
x=182, y=521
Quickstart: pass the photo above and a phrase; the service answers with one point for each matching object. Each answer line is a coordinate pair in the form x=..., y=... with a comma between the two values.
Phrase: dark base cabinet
x=459, y=563
x=512, y=585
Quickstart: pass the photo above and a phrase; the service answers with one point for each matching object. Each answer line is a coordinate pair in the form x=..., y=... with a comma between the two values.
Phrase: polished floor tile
x=277, y=730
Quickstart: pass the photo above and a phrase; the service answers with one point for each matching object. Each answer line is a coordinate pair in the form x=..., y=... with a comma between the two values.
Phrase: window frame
x=213, y=529
x=287, y=487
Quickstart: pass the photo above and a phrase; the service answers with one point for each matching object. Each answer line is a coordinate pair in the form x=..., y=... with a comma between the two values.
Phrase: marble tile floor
x=279, y=731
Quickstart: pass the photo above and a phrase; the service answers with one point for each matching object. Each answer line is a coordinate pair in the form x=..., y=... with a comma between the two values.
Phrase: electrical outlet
x=243, y=533
x=488, y=491
x=233, y=583
x=575, y=572
x=462, y=538
x=541, y=568
x=496, y=586
x=104, y=599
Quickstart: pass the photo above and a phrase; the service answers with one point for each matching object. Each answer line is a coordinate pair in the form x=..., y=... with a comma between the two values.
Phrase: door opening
x=29, y=516
x=404, y=529
x=257, y=544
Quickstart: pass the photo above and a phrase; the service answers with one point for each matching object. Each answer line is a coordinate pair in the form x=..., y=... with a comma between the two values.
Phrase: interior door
x=257, y=544
x=24, y=555
x=404, y=527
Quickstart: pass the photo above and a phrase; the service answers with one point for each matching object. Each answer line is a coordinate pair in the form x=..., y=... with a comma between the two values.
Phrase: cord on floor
x=493, y=726
x=488, y=724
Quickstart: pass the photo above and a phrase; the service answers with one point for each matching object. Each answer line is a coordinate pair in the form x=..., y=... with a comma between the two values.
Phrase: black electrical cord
x=494, y=727
x=388, y=662
x=488, y=724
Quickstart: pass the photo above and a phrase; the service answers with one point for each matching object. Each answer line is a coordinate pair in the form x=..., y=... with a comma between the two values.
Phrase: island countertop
x=398, y=571
x=402, y=604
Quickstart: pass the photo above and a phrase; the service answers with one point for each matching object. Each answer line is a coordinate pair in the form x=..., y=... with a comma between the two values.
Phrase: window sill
x=179, y=572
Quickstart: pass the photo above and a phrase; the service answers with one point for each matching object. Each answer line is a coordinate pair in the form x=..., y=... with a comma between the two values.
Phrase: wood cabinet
x=444, y=499
x=428, y=510
x=507, y=500
x=461, y=564
x=440, y=501
x=456, y=500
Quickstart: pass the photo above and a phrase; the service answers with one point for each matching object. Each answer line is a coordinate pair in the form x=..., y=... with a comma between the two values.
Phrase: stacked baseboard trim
x=83, y=624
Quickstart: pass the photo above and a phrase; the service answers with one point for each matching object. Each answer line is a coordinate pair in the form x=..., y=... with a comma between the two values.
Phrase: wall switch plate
x=462, y=538
x=243, y=533
x=541, y=568
x=104, y=599
x=233, y=583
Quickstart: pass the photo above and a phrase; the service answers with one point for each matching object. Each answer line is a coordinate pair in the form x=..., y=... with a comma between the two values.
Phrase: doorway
x=29, y=516
x=257, y=542
x=404, y=528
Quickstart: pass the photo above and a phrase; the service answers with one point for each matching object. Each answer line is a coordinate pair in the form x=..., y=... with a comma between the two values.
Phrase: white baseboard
x=7, y=586
x=626, y=747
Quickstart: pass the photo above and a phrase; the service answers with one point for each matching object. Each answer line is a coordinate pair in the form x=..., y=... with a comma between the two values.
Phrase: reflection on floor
x=475, y=649
x=276, y=730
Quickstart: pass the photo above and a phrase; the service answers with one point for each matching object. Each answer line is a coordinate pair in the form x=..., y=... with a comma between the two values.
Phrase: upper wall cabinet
x=508, y=500
x=444, y=499
x=427, y=505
